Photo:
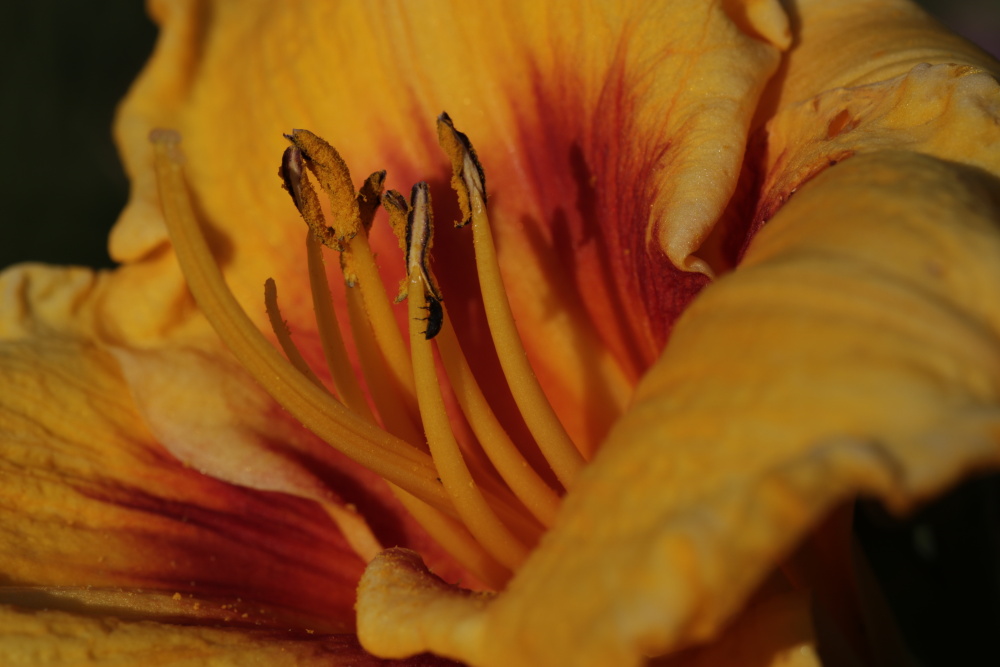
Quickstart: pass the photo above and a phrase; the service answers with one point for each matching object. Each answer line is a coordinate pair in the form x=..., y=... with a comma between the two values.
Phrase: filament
x=360, y=441
x=334, y=350
x=556, y=445
x=488, y=516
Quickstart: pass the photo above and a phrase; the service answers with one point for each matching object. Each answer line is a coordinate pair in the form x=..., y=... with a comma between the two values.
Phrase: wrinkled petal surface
x=854, y=351
x=851, y=43
x=875, y=280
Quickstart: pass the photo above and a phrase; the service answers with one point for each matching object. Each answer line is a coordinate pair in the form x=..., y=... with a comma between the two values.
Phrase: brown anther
x=296, y=183
x=420, y=237
x=398, y=209
x=334, y=178
x=467, y=174
x=369, y=198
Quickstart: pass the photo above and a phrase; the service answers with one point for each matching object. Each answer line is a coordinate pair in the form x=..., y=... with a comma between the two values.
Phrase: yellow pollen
x=488, y=512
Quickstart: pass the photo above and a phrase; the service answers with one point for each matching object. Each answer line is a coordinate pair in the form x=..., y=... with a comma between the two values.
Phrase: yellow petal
x=948, y=111
x=847, y=43
x=89, y=498
x=56, y=638
x=775, y=632
x=854, y=351
x=558, y=98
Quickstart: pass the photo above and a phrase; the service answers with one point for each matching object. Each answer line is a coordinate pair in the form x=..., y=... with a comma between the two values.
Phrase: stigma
x=488, y=515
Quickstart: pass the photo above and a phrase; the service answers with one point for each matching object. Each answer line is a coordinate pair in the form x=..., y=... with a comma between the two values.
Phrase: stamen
x=284, y=336
x=456, y=540
x=359, y=440
x=469, y=182
x=360, y=261
x=466, y=496
x=515, y=470
x=392, y=409
x=344, y=379
x=355, y=529
x=357, y=259
x=335, y=179
x=304, y=196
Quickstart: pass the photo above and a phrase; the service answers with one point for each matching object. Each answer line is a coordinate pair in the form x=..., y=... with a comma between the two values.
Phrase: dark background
x=64, y=65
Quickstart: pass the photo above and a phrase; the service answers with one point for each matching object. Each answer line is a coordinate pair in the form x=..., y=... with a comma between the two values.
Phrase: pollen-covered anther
x=398, y=209
x=468, y=178
x=334, y=178
x=295, y=181
x=419, y=240
x=369, y=197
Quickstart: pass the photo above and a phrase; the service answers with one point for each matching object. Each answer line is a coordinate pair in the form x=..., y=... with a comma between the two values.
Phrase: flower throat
x=487, y=518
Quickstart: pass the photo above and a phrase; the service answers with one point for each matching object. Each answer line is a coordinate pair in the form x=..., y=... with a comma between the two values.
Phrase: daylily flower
x=730, y=266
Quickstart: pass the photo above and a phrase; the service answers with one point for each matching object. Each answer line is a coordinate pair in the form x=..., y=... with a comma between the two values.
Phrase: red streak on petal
x=596, y=173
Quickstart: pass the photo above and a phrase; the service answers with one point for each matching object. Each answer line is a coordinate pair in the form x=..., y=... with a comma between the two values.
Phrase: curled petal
x=948, y=111
x=851, y=43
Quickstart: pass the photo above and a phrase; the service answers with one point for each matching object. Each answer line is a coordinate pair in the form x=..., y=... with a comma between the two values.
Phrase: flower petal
x=89, y=498
x=849, y=43
x=948, y=111
x=776, y=632
x=854, y=351
x=32, y=637
x=651, y=101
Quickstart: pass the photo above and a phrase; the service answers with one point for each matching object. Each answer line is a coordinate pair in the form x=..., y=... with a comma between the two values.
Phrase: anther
x=334, y=178
x=294, y=180
x=369, y=198
x=467, y=173
x=419, y=240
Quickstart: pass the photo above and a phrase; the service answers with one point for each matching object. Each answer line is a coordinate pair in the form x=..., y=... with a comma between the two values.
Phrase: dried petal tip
x=468, y=178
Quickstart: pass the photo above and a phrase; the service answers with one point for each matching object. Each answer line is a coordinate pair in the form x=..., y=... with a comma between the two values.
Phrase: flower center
x=488, y=516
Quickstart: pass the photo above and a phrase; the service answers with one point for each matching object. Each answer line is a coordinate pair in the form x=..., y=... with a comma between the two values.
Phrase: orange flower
x=540, y=419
